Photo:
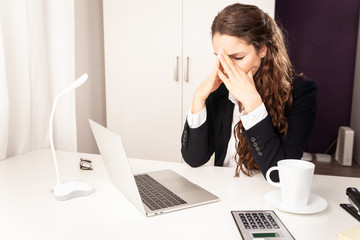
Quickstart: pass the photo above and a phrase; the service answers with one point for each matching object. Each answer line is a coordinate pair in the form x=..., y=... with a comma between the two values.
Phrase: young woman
x=252, y=110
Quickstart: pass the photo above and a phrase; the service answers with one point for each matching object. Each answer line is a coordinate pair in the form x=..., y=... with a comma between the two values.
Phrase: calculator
x=263, y=224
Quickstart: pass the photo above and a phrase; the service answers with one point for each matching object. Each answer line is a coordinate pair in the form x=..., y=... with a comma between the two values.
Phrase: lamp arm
x=81, y=80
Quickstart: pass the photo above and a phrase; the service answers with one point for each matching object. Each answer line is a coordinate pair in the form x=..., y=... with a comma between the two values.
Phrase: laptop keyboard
x=154, y=195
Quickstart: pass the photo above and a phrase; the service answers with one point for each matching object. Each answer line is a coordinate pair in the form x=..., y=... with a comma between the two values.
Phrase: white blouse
x=249, y=120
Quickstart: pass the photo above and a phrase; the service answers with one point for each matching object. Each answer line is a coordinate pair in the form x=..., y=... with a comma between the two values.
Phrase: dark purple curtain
x=322, y=39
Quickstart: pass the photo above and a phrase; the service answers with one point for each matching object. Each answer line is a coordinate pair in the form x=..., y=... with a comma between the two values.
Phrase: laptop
x=152, y=193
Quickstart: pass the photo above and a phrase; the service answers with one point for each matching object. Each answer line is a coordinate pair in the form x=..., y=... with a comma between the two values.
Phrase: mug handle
x=268, y=176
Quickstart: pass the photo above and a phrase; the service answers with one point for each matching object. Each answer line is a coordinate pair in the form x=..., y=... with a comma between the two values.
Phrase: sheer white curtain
x=37, y=61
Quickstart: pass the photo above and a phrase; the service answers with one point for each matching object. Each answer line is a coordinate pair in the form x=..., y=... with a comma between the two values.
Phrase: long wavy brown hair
x=274, y=77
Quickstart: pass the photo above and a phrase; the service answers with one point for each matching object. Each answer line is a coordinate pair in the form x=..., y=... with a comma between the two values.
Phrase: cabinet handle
x=186, y=79
x=176, y=68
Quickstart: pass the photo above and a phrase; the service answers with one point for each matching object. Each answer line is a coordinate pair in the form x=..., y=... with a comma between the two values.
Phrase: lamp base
x=72, y=189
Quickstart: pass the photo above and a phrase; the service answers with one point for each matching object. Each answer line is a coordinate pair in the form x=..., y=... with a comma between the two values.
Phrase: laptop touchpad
x=174, y=181
x=181, y=185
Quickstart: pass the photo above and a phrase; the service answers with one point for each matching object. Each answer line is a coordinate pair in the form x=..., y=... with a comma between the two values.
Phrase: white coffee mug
x=295, y=181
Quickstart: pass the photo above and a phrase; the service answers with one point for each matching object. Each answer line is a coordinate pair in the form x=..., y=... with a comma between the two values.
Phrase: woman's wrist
x=197, y=105
x=198, y=102
x=252, y=105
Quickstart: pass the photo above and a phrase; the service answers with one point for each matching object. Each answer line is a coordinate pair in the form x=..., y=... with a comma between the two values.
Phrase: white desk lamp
x=71, y=189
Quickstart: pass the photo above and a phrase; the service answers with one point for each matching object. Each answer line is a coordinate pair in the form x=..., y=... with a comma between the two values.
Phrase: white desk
x=29, y=211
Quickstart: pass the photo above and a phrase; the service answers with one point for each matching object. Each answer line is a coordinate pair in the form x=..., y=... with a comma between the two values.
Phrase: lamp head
x=80, y=81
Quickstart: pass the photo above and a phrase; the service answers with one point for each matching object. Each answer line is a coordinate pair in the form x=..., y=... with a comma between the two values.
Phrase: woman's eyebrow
x=232, y=55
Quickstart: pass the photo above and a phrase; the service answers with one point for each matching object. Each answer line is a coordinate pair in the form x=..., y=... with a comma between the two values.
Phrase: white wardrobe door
x=197, y=46
x=142, y=40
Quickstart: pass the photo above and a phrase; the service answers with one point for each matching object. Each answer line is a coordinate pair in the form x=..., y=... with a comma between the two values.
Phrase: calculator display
x=263, y=235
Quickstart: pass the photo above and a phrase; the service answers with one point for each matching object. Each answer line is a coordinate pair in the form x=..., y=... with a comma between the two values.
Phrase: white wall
x=355, y=110
x=89, y=58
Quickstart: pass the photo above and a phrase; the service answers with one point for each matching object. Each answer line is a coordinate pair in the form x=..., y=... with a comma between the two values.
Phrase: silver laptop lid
x=116, y=163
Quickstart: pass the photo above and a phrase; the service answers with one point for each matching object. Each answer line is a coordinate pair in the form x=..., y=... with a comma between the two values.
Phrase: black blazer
x=267, y=145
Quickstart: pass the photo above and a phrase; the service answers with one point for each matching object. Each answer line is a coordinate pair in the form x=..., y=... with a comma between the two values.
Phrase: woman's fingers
x=250, y=75
x=227, y=64
x=212, y=82
x=216, y=66
x=246, y=76
x=227, y=61
x=223, y=78
x=217, y=63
